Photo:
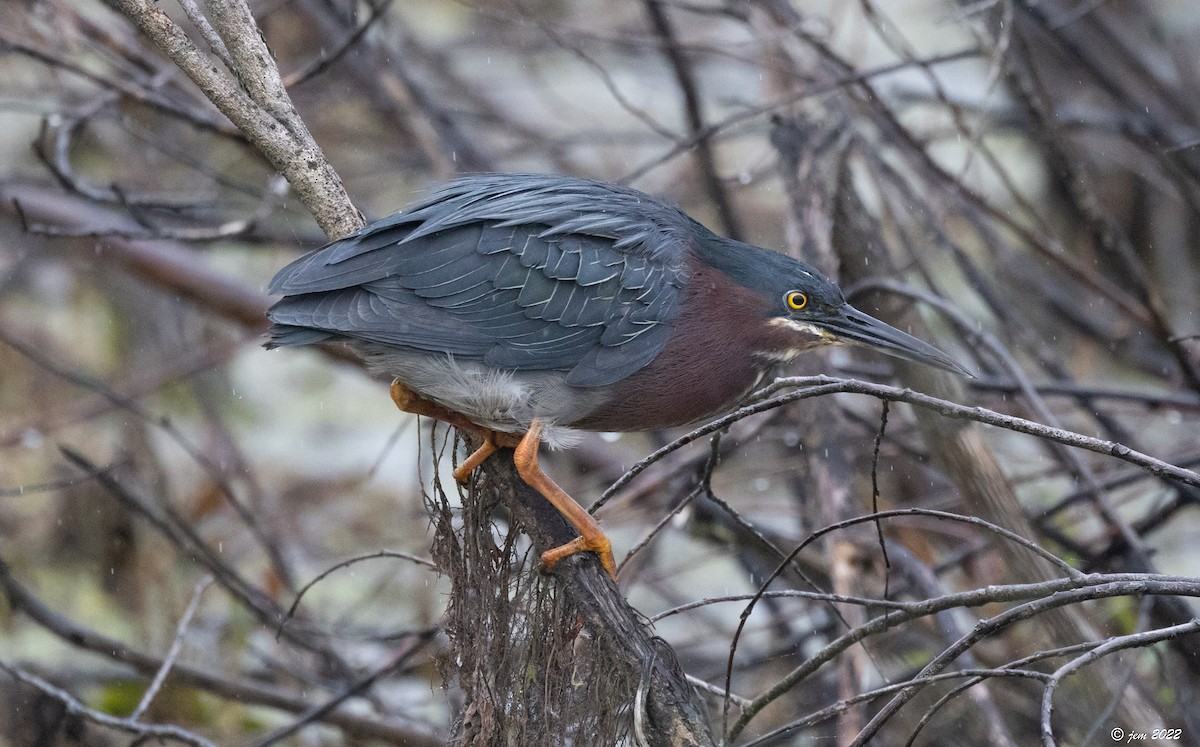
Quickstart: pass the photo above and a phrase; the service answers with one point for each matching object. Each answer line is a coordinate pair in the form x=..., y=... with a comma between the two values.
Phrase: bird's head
x=806, y=310
x=808, y=304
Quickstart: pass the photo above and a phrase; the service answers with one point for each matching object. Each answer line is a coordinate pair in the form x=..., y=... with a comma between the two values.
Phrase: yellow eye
x=796, y=300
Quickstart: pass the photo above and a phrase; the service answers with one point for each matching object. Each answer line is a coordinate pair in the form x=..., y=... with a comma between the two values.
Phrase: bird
x=529, y=307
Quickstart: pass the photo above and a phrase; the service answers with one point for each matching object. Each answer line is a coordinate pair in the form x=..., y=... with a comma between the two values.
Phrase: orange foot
x=591, y=537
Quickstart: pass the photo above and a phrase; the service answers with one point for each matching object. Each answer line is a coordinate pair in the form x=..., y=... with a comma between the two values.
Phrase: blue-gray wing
x=496, y=270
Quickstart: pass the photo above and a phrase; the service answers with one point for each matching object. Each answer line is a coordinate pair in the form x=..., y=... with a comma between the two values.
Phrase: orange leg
x=409, y=401
x=591, y=536
x=462, y=473
x=492, y=440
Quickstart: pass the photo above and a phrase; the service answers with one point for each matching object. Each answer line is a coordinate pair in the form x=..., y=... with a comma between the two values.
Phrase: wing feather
x=521, y=272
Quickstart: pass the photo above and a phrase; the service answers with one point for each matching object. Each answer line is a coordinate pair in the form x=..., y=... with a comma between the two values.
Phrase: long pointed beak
x=850, y=325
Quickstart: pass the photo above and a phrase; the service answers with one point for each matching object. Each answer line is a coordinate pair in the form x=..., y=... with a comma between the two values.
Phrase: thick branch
x=674, y=714
x=260, y=106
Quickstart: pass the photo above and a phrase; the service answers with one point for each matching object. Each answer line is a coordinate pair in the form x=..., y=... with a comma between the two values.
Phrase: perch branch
x=256, y=102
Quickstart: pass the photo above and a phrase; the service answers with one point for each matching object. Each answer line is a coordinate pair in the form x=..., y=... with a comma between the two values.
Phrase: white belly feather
x=501, y=400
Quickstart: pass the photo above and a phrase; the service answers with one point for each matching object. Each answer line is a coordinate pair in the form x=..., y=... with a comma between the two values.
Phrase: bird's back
x=516, y=272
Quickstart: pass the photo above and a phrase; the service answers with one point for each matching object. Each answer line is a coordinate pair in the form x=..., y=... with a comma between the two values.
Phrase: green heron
x=523, y=307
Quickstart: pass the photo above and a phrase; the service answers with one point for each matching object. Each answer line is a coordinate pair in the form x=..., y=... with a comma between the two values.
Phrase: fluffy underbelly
x=501, y=400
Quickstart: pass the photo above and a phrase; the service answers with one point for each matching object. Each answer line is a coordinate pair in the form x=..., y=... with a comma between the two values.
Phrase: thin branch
x=831, y=711
x=167, y=732
x=694, y=116
x=1046, y=595
x=291, y=612
x=857, y=634
x=1112, y=645
x=1140, y=584
x=818, y=386
x=172, y=653
x=783, y=102
x=245, y=691
x=214, y=471
x=328, y=59
x=315, y=714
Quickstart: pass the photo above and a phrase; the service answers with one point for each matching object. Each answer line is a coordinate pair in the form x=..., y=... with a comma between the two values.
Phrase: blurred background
x=1015, y=181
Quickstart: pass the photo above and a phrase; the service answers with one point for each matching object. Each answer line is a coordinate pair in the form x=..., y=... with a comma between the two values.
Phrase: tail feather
x=285, y=335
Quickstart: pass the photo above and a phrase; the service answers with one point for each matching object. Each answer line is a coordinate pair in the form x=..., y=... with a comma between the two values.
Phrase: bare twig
x=1112, y=645
x=241, y=690
x=185, y=620
x=162, y=732
x=817, y=386
x=1044, y=595
x=693, y=114
x=291, y=612
x=396, y=660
